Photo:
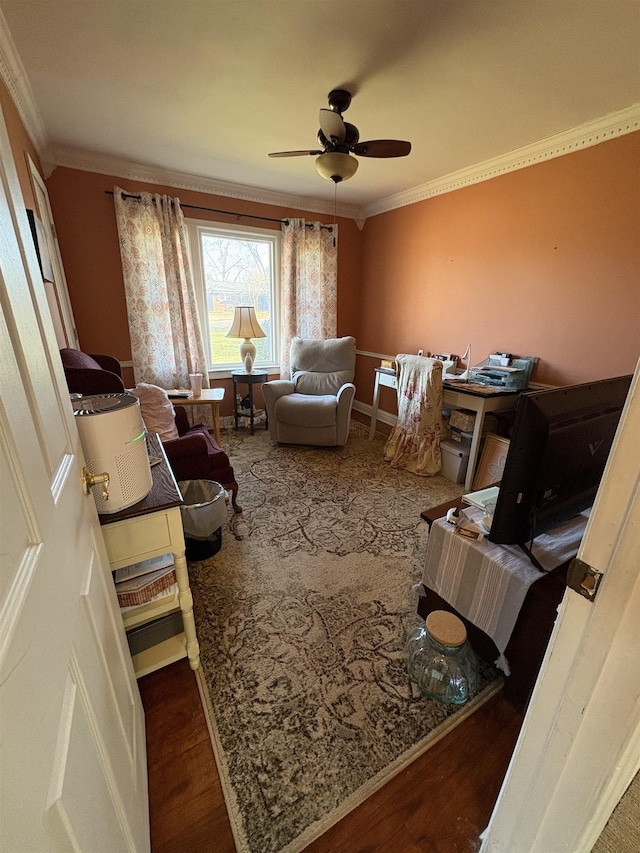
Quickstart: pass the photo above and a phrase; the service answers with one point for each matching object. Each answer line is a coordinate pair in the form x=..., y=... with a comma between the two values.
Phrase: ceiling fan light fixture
x=336, y=166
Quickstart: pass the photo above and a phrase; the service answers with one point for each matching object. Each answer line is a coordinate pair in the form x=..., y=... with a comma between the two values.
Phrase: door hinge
x=583, y=579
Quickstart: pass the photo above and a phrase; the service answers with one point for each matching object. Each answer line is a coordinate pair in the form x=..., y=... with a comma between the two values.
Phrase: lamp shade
x=336, y=166
x=245, y=323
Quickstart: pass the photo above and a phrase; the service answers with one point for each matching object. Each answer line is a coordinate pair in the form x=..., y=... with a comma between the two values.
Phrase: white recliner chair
x=314, y=406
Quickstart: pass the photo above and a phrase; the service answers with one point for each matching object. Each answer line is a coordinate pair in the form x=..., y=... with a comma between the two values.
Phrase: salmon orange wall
x=543, y=261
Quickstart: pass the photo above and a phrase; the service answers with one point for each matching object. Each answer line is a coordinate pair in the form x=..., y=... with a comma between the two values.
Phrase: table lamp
x=245, y=325
x=466, y=374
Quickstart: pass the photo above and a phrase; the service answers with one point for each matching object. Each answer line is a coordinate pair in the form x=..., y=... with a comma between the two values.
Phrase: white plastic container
x=113, y=438
x=460, y=438
x=454, y=461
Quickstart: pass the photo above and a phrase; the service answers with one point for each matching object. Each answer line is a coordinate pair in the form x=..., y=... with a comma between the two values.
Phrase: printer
x=502, y=370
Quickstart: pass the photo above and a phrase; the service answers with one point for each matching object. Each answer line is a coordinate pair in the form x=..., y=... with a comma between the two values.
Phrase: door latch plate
x=583, y=579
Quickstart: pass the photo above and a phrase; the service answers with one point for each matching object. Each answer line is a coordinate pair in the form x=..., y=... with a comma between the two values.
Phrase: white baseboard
x=366, y=409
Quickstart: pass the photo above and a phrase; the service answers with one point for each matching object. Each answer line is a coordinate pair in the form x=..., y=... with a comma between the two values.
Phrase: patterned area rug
x=302, y=618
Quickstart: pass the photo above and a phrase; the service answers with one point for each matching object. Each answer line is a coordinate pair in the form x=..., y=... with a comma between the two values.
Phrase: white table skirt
x=487, y=583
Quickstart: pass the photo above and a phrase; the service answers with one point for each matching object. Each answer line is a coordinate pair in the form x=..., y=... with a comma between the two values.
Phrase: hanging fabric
x=309, y=289
x=414, y=443
x=166, y=339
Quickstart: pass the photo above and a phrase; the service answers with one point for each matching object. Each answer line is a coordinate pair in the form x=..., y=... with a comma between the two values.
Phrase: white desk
x=455, y=398
x=148, y=529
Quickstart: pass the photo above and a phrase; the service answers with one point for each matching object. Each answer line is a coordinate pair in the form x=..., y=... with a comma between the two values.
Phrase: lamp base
x=248, y=354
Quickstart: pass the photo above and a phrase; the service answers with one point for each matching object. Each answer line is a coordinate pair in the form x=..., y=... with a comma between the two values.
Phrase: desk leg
x=186, y=606
x=215, y=408
x=473, y=450
x=374, y=407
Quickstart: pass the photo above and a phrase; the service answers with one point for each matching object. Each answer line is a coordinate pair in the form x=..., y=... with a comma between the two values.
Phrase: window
x=233, y=266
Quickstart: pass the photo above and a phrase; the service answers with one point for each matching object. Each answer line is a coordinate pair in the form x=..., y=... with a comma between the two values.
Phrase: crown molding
x=15, y=79
x=584, y=136
x=88, y=161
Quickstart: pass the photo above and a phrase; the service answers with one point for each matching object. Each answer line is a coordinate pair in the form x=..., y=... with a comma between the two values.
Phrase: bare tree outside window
x=236, y=270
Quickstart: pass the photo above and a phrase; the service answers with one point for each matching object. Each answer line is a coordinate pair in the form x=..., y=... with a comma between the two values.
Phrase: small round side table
x=241, y=377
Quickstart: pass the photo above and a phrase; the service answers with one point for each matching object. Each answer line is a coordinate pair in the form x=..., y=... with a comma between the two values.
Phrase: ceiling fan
x=338, y=138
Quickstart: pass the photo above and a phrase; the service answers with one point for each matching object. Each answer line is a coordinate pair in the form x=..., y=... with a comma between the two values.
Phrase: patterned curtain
x=309, y=306
x=166, y=340
x=414, y=443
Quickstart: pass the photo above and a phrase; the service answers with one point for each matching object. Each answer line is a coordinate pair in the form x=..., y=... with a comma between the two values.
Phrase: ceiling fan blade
x=332, y=125
x=294, y=153
x=382, y=148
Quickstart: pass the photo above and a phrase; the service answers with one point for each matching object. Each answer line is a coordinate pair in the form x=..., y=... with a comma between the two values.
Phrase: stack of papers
x=483, y=498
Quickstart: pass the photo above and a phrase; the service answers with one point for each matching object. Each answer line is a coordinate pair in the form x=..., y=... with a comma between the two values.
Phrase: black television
x=559, y=446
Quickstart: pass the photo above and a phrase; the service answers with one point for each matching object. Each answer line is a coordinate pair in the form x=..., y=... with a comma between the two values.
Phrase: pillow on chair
x=191, y=451
x=157, y=410
x=322, y=367
x=91, y=374
x=77, y=359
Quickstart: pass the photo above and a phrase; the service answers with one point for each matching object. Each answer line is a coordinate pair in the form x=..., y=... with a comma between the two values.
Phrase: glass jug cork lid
x=446, y=628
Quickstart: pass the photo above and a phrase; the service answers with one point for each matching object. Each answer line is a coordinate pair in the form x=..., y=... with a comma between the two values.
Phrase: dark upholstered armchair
x=91, y=374
x=193, y=455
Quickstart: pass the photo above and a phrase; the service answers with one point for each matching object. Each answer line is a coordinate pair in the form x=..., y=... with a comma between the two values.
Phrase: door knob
x=90, y=480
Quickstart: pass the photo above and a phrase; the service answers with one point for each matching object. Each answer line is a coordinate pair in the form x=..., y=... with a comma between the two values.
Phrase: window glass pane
x=237, y=270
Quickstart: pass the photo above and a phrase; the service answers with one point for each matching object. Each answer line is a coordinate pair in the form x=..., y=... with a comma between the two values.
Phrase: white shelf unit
x=150, y=529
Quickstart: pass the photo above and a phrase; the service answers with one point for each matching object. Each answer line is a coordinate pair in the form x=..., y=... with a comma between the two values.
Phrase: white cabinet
x=148, y=529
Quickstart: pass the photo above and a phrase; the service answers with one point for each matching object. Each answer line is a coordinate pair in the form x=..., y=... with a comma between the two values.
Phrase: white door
x=72, y=751
x=579, y=747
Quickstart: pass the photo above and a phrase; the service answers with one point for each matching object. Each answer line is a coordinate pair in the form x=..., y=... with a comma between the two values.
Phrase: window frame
x=196, y=227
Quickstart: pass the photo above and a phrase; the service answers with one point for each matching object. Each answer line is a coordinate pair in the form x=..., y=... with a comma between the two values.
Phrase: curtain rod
x=227, y=212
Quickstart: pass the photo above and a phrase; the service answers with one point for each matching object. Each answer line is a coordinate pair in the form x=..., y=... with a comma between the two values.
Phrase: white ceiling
x=209, y=87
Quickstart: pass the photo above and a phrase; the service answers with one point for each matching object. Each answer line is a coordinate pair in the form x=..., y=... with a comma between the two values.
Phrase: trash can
x=203, y=513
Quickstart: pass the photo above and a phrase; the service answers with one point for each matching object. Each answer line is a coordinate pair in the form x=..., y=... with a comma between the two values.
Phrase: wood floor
x=440, y=804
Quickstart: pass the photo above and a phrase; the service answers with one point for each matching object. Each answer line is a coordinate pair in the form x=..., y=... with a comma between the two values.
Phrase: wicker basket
x=462, y=419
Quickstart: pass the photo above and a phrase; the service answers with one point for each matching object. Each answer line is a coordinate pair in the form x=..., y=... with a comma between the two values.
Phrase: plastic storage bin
x=460, y=438
x=203, y=513
x=454, y=461
x=146, y=636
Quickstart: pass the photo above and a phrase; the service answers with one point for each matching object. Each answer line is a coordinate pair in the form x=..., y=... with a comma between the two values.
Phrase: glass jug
x=442, y=663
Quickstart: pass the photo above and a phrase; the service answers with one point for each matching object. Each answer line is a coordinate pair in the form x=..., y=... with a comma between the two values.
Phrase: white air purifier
x=113, y=438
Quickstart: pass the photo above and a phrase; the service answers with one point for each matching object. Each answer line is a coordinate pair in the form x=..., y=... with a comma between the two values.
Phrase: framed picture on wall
x=494, y=455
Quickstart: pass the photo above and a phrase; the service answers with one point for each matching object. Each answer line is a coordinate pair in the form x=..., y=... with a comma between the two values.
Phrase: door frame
x=59, y=283
x=579, y=747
